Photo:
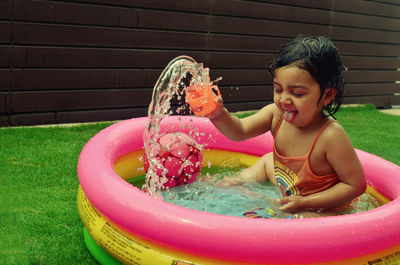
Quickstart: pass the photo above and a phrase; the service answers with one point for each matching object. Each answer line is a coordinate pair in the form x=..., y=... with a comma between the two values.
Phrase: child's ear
x=329, y=95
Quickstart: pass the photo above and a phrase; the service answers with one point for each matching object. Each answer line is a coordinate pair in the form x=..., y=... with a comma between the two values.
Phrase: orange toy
x=201, y=98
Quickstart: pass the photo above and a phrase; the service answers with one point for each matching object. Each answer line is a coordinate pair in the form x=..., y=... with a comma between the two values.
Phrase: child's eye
x=298, y=92
x=278, y=90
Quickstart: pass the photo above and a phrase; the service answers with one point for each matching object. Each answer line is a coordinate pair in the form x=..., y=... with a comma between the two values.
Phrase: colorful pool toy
x=123, y=224
x=261, y=212
x=201, y=98
x=179, y=155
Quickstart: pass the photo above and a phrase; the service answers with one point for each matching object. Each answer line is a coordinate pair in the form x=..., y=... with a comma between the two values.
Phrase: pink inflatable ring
x=203, y=238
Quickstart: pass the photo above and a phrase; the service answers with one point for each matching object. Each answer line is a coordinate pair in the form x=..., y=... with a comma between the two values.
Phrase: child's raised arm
x=341, y=155
x=241, y=129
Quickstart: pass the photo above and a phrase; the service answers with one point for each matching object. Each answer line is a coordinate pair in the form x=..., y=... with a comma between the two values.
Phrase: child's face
x=297, y=94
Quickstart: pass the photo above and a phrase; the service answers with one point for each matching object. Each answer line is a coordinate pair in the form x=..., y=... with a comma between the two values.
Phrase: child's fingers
x=229, y=181
x=219, y=100
x=286, y=207
x=218, y=109
x=283, y=200
x=290, y=203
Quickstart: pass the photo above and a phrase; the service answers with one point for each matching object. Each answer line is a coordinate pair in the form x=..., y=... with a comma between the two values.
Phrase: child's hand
x=244, y=177
x=218, y=109
x=292, y=203
x=229, y=181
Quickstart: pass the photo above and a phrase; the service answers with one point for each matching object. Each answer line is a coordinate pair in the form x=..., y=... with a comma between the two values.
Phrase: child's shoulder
x=271, y=111
x=333, y=133
x=276, y=115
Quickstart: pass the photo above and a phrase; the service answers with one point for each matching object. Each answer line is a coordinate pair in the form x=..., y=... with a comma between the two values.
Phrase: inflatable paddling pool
x=123, y=224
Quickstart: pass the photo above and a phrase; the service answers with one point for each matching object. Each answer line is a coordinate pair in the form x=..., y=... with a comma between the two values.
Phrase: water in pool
x=255, y=200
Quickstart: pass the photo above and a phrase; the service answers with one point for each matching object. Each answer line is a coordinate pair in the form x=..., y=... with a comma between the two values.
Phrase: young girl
x=313, y=161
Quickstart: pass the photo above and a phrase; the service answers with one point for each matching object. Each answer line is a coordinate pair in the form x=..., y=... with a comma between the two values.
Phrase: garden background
x=92, y=60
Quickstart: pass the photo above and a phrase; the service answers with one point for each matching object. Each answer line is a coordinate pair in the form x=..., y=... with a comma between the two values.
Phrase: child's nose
x=285, y=99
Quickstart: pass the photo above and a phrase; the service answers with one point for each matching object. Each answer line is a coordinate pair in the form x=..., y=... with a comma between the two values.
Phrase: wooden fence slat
x=5, y=32
x=262, y=60
x=43, y=79
x=220, y=42
x=364, y=7
x=253, y=93
x=26, y=33
x=270, y=11
x=45, y=101
x=195, y=6
x=5, y=79
x=27, y=119
x=5, y=9
x=327, y=4
x=106, y=99
x=62, y=57
x=238, y=43
x=394, y=100
x=72, y=57
x=356, y=6
x=367, y=35
x=358, y=62
x=235, y=77
x=354, y=90
x=4, y=120
x=367, y=49
x=373, y=76
x=247, y=106
x=50, y=34
x=101, y=115
x=246, y=93
x=258, y=77
x=75, y=116
x=395, y=2
x=79, y=100
x=379, y=101
x=5, y=55
x=364, y=21
x=292, y=29
x=111, y=16
x=263, y=27
x=239, y=60
x=56, y=57
x=33, y=79
x=3, y=102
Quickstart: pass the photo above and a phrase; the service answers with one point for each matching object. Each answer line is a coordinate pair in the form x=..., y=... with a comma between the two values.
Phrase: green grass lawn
x=372, y=131
x=38, y=215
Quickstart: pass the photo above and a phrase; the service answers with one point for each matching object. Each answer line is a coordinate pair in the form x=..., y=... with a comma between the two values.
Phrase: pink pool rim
x=279, y=241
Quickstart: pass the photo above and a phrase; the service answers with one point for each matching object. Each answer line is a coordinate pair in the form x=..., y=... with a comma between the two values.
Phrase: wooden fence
x=91, y=60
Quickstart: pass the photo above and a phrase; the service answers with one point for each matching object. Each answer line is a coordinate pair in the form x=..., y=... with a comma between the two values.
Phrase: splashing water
x=180, y=73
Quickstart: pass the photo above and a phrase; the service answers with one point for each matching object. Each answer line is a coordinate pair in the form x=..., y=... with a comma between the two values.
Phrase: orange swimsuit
x=294, y=174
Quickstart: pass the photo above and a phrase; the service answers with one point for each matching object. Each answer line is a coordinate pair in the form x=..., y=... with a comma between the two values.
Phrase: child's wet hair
x=320, y=57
